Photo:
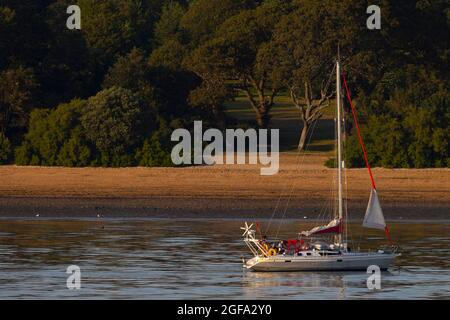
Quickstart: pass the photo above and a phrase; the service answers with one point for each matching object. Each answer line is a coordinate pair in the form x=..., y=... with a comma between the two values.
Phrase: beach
x=303, y=188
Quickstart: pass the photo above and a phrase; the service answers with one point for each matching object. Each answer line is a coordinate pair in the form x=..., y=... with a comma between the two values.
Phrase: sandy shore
x=296, y=191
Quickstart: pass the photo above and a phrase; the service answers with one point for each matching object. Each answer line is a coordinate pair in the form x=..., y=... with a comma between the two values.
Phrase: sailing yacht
x=302, y=253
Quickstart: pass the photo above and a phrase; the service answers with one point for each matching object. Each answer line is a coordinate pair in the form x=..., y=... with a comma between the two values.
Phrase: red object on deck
x=259, y=230
x=296, y=244
x=386, y=230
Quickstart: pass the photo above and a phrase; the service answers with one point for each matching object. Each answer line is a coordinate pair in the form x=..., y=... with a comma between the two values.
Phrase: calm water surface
x=200, y=259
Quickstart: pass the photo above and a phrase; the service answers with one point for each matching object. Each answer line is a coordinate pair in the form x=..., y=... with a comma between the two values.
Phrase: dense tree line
x=111, y=93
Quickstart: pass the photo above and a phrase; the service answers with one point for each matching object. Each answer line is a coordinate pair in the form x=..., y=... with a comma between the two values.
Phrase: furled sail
x=374, y=215
x=333, y=227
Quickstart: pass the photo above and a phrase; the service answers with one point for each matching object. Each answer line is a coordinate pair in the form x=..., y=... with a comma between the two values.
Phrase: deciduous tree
x=306, y=42
x=238, y=52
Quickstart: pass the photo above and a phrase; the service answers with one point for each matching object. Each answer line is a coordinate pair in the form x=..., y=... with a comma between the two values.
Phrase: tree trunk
x=219, y=115
x=304, y=134
x=260, y=102
x=263, y=117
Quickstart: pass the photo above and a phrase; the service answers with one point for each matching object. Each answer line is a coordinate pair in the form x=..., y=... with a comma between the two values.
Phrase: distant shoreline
x=220, y=191
x=54, y=207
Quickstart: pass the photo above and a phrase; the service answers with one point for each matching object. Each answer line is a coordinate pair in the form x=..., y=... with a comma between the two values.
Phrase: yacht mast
x=339, y=138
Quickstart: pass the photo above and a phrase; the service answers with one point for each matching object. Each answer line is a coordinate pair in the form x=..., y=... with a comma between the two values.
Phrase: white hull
x=341, y=262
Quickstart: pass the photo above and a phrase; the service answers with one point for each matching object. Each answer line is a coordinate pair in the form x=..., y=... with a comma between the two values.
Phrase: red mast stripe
x=386, y=230
x=359, y=132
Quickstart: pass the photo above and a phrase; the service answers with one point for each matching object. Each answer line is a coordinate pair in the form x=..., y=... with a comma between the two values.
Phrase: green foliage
x=114, y=122
x=203, y=17
x=106, y=130
x=112, y=28
x=130, y=72
x=153, y=153
x=169, y=55
x=23, y=154
x=66, y=70
x=22, y=32
x=172, y=89
x=7, y=19
x=168, y=26
x=55, y=138
x=235, y=47
x=74, y=152
x=164, y=90
x=306, y=41
x=330, y=163
x=156, y=149
x=239, y=50
x=408, y=126
x=5, y=149
x=16, y=90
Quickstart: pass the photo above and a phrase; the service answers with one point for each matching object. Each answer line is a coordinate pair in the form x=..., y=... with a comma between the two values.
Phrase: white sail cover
x=374, y=215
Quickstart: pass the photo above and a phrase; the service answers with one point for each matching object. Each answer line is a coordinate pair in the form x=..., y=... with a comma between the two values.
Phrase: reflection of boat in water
x=294, y=279
x=306, y=254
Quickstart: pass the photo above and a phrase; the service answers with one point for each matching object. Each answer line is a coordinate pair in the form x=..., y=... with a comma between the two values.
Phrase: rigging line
x=325, y=206
x=345, y=182
x=282, y=194
x=328, y=204
x=346, y=205
x=323, y=210
x=333, y=186
x=294, y=181
x=329, y=78
x=336, y=148
x=297, y=159
x=333, y=199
